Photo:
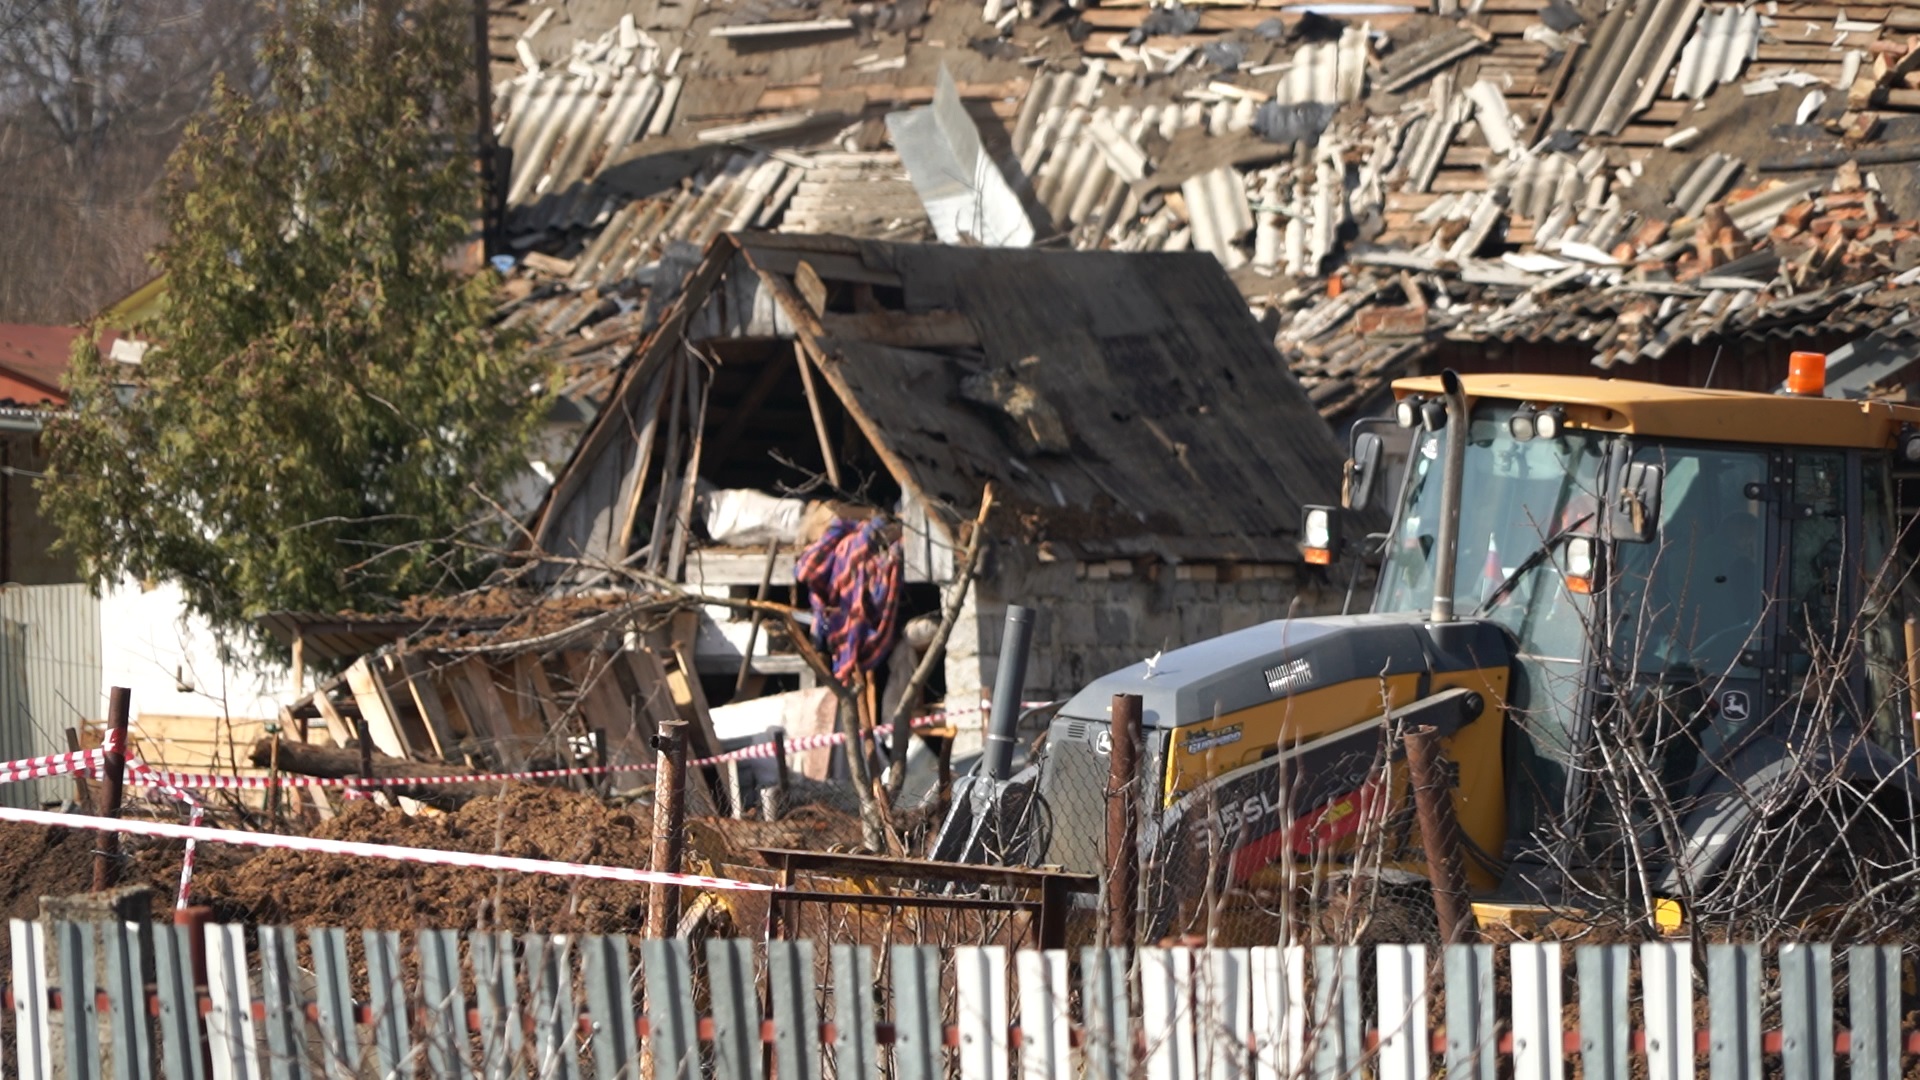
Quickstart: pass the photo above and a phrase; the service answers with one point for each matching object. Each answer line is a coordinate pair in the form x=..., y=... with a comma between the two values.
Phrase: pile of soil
x=59, y=862
x=300, y=889
x=268, y=887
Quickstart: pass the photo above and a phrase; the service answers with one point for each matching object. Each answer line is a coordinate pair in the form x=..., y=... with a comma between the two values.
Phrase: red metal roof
x=33, y=361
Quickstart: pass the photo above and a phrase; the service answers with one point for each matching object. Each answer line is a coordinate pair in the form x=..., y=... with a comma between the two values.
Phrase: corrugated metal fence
x=50, y=678
x=324, y=1003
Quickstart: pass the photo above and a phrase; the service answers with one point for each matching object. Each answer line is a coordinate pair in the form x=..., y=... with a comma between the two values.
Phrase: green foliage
x=326, y=409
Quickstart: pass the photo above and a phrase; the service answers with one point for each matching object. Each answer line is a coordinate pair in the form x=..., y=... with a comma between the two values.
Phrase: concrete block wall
x=1093, y=622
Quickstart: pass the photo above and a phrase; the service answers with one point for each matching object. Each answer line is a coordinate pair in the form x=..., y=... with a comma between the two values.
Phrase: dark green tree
x=325, y=410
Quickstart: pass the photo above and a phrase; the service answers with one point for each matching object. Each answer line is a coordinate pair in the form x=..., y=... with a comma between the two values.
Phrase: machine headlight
x=1549, y=423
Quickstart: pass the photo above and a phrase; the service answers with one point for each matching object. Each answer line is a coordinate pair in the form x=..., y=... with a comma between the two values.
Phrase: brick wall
x=1100, y=617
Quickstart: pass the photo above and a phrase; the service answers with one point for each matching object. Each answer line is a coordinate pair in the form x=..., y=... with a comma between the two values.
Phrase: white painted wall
x=172, y=663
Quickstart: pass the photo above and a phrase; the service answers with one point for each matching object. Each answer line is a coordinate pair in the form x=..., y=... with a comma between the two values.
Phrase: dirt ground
x=265, y=887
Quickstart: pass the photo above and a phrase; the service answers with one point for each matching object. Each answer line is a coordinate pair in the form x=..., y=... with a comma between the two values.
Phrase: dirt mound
x=298, y=889
x=59, y=862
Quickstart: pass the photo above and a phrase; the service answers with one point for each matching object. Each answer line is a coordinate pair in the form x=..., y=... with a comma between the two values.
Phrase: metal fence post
x=669, y=827
x=1123, y=821
x=106, y=862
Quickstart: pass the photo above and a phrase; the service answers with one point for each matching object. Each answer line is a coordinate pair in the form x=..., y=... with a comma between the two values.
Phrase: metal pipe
x=1123, y=821
x=669, y=827
x=1439, y=834
x=1448, y=547
x=1913, y=677
x=1008, y=683
x=106, y=862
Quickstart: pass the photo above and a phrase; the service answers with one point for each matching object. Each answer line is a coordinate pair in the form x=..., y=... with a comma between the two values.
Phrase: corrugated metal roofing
x=1621, y=71
x=50, y=678
x=1721, y=45
x=1327, y=71
x=564, y=123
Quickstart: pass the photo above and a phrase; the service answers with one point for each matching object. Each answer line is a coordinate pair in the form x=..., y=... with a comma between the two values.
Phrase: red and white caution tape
x=203, y=781
x=81, y=761
x=178, y=786
x=428, y=856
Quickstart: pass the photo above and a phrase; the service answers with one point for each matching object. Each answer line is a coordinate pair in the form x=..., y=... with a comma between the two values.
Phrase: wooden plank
x=495, y=988
x=1279, y=1010
x=796, y=1015
x=536, y=703
x=1337, y=1035
x=444, y=1006
x=1537, y=1044
x=230, y=1035
x=1604, y=1042
x=807, y=280
x=1405, y=1048
x=670, y=1015
x=606, y=709
x=684, y=631
x=1166, y=989
x=1806, y=1011
x=1733, y=1011
x=649, y=692
x=917, y=1033
x=1046, y=1015
x=609, y=977
x=1473, y=1034
x=1666, y=989
x=1225, y=1014
x=285, y=1019
x=338, y=730
x=1873, y=1006
x=1104, y=1017
x=856, y=1049
x=474, y=688
x=181, y=1049
x=333, y=987
x=736, y=1010
x=78, y=1011
x=387, y=997
x=980, y=1008
x=555, y=1017
x=411, y=671
x=383, y=722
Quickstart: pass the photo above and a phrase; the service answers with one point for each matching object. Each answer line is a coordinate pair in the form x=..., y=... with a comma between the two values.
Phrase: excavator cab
x=1700, y=591
x=1657, y=629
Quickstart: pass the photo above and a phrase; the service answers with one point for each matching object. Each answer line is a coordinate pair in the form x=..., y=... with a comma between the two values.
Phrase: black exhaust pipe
x=1008, y=684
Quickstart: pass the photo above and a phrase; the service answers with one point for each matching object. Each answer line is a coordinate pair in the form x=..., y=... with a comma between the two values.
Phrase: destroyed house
x=1148, y=453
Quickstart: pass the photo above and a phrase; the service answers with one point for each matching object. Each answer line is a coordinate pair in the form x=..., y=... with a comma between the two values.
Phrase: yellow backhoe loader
x=1659, y=630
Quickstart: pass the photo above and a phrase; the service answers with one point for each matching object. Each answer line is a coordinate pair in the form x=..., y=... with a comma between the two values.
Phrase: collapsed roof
x=1624, y=180
x=1120, y=405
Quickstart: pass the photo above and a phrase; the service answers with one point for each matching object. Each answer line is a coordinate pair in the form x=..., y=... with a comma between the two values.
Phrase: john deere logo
x=1733, y=705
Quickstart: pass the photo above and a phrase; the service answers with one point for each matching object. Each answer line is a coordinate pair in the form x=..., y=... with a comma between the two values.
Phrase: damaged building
x=1148, y=453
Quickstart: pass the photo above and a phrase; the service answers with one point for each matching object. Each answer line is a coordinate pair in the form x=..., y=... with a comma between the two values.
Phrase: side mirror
x=1356, y=489
x=1635, y=515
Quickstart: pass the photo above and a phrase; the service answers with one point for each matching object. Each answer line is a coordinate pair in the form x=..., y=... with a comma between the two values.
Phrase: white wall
x=172, y=663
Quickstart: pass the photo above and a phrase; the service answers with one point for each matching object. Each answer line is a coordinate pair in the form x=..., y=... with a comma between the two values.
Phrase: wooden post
x=366, y=748
x=82, y=794
x=1123, y=821
x=106, y=862
x=273, y=775
x=773, y=800
x=669, y=826
x=1439, y=835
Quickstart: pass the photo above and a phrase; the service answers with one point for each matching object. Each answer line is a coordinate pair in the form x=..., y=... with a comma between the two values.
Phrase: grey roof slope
x=1120, y=404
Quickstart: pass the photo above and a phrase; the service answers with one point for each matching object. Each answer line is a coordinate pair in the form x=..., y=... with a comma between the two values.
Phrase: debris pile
x=1616, y=178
